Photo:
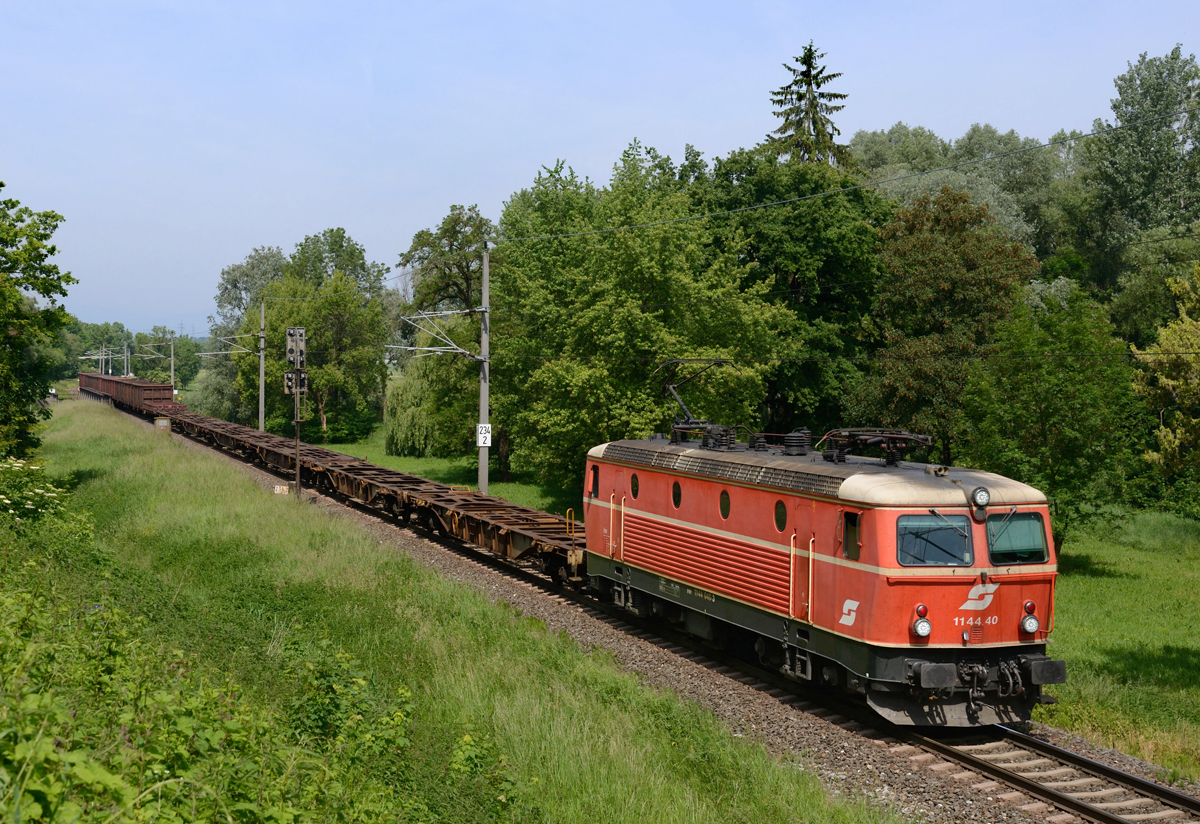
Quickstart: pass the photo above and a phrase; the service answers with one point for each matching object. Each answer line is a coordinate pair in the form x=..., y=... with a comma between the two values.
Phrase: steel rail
x=1166, y=795
x=1023, y=783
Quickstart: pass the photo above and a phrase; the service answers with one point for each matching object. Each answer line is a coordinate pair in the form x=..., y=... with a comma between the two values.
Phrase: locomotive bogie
x=889, y=581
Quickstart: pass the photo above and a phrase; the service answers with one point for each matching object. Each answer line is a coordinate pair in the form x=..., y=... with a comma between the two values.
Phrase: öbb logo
x=980, y=596
x=848, y=612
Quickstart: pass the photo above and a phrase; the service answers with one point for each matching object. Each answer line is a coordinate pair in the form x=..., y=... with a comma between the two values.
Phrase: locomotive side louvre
x=809, y=562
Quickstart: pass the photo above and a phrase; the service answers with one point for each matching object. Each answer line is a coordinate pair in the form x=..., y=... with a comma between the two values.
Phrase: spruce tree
x=807, y=133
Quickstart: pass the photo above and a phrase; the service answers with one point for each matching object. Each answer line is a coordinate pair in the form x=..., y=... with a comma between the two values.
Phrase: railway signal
x=295, y=383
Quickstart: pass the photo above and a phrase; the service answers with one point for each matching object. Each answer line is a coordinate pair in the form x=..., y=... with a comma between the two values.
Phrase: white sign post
x=483, y=435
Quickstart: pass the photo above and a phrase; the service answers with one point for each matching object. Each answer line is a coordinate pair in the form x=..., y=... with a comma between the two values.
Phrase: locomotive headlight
x=1030, y=624
x=922, y=627
x=981, y=497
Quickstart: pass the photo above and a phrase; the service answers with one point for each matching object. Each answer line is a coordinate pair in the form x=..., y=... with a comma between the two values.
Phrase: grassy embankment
x=250, y=583
x=1128, y=625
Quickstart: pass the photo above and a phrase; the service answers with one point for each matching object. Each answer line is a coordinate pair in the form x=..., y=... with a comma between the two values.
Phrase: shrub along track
x=992, y=775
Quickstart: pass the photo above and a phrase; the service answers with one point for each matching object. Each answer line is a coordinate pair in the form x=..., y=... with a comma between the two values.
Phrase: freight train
x=927, y=590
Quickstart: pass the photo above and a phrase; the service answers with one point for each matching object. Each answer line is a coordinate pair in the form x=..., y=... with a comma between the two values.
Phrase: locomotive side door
x=803, y=540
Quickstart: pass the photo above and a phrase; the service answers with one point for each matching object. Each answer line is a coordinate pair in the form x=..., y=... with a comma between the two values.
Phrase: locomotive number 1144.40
x=977, y=621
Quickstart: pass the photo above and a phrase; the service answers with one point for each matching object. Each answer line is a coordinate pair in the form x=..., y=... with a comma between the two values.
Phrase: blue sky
x=177, y=136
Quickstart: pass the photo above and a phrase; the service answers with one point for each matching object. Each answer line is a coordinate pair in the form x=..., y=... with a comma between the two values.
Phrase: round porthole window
x=780, y=516
x=676, y=494
x=633, y=485
x=724, y=504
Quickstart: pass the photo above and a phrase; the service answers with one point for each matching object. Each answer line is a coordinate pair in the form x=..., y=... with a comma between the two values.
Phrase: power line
x=856, y=187
x=859, y=358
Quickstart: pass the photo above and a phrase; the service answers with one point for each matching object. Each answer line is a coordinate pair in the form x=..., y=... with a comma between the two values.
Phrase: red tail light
x=1030, y=607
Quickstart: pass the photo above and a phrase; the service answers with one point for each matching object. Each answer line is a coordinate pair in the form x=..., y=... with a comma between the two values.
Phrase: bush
x=99, y=724
x=26, y=496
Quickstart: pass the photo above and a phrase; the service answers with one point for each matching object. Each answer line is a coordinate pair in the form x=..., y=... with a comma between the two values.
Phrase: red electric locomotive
x=927, y=589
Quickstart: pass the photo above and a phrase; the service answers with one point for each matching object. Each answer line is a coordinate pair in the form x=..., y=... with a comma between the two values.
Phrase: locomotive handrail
x=622, y=528
x=612, y=534
x=792, y=578
x=811, y=563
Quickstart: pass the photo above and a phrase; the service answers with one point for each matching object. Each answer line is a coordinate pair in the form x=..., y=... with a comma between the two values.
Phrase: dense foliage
x=27, y=329
x=1067, y=429
x=968, y=273
x=951, y=279
x=582, y=323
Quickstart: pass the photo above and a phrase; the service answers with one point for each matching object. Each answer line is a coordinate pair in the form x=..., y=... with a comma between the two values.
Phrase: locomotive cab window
x=724, y=505
x=851, y=535
x=1016, y=538
x=676, y=494
x=595, y=481
x=934, y=540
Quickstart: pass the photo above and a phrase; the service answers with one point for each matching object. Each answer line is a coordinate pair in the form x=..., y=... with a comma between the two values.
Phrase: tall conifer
x=807, y=133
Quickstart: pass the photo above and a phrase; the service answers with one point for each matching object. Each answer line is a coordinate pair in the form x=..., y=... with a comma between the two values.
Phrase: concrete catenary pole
x=484, y=369
x=262, y=363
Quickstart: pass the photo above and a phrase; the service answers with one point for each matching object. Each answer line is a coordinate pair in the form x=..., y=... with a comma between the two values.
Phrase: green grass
x=234, y=575
x=1128, y=625
x=465, y=472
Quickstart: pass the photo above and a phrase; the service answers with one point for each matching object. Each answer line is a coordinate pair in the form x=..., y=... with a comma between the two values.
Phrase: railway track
x=1041, y=779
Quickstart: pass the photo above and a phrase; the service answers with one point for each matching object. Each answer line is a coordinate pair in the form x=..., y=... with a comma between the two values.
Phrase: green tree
x=1169, y=382
x=446, y=263
x=1144, y=300
x=807, y=132
x=432, y=407
x=239, y=290
x=582, y=322
x=1024, y=192
x=93, y=337
x=900, y=149
x=346, y=373
x=151, y=356
x=1050, y=402
x=1146, y=174
x=28, y=327
x=319, y=256
x=819, y=257
x=950, y=278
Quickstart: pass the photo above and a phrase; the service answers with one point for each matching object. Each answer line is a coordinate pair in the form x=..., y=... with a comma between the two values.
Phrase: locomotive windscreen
x=1016, y=538
x=933, y=540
